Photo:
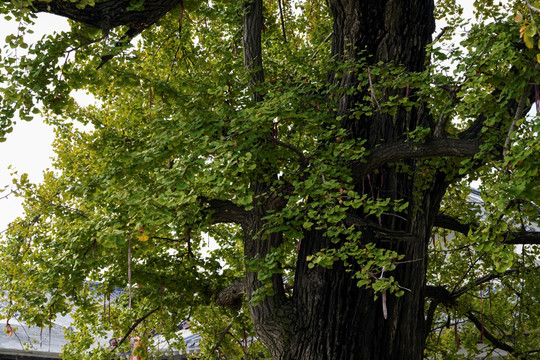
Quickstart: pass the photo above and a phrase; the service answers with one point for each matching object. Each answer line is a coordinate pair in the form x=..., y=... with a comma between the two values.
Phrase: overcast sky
x=28, y=147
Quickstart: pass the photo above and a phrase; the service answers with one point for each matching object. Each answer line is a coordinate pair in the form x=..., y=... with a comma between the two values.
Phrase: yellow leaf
x=538, y=57
x=522, y=29
x=143, y=238
x=528, y=36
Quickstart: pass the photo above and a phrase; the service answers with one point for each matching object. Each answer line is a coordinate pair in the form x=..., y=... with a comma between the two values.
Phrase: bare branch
x=532, y=7
x=7, y=195
x=431, y=315
x=301, y=156
x=477, y=282
x=411, y=150
x=520, y=113
x=221, y=337
x=498, y=343
x=319, y=47
x=135, y=324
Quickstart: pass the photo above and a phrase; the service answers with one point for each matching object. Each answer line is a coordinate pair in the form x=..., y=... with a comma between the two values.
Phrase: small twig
x=406, y=261
x=282, y=21
x=22, y=326
x=222, y=336
x=7, y=195
x=319, y=47
x=532, y=7
x=395, y=215
x=471, y=267
x=403, y=288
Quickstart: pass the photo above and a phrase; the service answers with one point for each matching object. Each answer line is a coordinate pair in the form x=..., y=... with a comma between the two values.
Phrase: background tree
x=320, y=146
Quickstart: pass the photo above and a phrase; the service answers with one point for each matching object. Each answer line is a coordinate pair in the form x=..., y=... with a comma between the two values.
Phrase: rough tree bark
x=329, y=317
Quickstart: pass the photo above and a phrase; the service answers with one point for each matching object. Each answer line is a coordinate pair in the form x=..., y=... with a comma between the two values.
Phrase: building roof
x=33, y=343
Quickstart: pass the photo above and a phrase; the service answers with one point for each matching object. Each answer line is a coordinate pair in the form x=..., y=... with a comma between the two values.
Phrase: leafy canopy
x=174, y=135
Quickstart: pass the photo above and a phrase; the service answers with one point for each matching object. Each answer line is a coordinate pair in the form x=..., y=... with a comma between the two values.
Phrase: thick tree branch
x=441, y=294
x=232, y=295
x=512, y=237
x=411, y=150
x=523, y=238
x=430, y=316
x=109, y=14
x=451, y=223
x=301, y=157
x=474, y=129
x=251, y=41
x=224, y=211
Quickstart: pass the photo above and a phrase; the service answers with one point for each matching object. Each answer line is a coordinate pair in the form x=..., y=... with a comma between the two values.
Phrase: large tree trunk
x=329, y=317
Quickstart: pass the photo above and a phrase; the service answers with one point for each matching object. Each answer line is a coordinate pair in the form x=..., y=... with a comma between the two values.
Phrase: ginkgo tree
x=293, y=177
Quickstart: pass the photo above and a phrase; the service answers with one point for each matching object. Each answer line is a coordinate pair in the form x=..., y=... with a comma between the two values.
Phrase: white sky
x=28, y=148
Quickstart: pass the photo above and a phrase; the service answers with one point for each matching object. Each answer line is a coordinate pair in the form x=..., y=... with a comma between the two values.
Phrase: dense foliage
x=149, y=183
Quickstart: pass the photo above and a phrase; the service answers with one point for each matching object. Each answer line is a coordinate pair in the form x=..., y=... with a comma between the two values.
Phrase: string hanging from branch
x=129, y=270
x=160, y=308
x=482, y=312
x=50, y=327
x=456, y=326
